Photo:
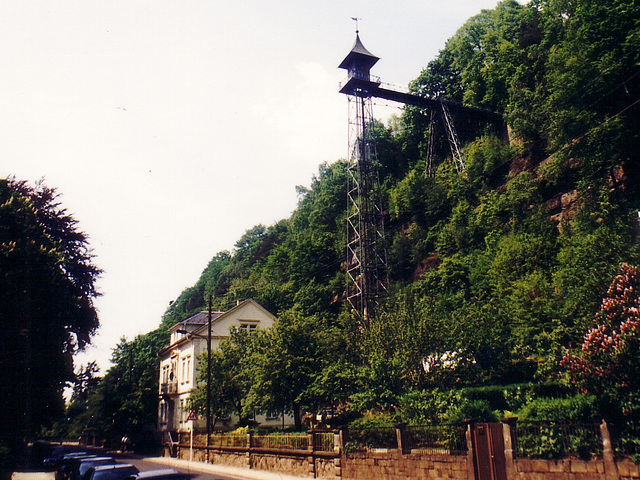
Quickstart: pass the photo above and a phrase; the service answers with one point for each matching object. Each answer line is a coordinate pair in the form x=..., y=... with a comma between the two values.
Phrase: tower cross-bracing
x=366, y=256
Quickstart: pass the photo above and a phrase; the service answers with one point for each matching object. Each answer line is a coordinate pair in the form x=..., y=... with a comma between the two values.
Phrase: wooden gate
x=488, y=447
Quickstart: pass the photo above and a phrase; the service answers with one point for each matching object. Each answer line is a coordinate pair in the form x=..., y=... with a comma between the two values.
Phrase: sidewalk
x=33, y=476
x=240, y=473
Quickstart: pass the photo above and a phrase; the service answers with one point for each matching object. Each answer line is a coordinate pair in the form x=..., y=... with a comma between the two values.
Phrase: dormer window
x=248, y=325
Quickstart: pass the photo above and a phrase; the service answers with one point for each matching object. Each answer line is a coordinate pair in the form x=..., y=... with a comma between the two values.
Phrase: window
x=187, y=377
x=163, y=413
x=248, y=326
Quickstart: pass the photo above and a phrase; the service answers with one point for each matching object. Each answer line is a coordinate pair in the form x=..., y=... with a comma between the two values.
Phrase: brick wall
x=572, y=469
x=627, y=470
x=289, y=465
x=392, y=466
x=564, y=469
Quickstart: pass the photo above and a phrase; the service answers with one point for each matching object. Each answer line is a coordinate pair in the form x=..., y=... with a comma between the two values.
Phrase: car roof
x=99, y=468
x=94, y=459
x=164, y=472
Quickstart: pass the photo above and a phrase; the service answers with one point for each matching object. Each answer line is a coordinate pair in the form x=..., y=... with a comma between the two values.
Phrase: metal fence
x=288, y=442
x=373, y=437
x=436, y=439
x=228, y=440
x=551, y=440
x=323, y=441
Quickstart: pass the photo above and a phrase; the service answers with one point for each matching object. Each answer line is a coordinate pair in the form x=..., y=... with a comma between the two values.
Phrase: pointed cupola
x=358, y=63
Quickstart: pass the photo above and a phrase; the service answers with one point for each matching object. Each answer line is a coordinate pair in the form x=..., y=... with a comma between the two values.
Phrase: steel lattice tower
x=366, y=253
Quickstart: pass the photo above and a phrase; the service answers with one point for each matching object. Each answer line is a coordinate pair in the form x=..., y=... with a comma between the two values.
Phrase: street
x=202, y=471
x=143, y=464
x=195, y=470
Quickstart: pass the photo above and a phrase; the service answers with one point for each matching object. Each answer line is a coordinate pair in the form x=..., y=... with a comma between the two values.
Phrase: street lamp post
x=208, y=339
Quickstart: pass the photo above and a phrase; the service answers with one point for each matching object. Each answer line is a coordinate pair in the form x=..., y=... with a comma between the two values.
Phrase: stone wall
x=627, y=470
x=301, y=464
x=393, y=466
x=401, y=464
x=573, y=469
x=564, y=469
x=290, y=465
x=231, y=459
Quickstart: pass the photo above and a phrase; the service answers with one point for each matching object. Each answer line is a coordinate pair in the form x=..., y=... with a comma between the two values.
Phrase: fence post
x=510, y=467
x=337, y=448
x=207, y=446
x=311, y=446
x=470, y=455
x=249, y=435
x=344, y=437
x=401, y=437
x=610, y=468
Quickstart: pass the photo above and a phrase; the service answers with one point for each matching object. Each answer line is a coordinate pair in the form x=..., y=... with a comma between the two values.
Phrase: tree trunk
x=296, y=416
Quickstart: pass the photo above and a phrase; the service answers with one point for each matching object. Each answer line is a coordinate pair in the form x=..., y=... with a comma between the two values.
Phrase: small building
x=179, y=363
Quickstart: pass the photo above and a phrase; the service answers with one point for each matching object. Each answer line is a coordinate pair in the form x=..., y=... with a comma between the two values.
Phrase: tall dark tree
x=47, y=287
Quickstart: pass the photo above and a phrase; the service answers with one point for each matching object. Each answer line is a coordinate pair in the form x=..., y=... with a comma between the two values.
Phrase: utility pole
x=209, y=373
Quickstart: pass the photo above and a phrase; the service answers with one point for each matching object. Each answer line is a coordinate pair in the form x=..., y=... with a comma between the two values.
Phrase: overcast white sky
x=172, y=127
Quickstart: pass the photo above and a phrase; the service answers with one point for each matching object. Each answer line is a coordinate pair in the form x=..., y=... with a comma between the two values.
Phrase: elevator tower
x=366, y=255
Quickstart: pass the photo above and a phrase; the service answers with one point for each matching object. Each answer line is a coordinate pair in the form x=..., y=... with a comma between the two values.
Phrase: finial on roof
x=355, y=19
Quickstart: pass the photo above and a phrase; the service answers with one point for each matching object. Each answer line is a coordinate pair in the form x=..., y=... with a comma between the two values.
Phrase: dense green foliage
x=495, y=272
x=46, y=306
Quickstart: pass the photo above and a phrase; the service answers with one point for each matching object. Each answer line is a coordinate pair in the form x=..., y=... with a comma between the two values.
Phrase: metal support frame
x=429, y=168
x=452, y=136
x=366, y=252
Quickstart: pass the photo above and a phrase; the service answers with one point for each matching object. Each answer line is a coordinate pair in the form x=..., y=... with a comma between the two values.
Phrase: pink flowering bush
x=608, y=362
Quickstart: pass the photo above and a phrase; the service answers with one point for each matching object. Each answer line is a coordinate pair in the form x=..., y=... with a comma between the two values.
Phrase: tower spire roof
x=365, y=58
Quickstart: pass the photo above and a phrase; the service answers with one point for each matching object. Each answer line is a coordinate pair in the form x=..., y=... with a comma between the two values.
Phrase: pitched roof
x=200, y=318
x=237, y=307
x=358, y=50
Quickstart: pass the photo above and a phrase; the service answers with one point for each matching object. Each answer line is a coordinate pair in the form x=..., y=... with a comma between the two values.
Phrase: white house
x=179, y=362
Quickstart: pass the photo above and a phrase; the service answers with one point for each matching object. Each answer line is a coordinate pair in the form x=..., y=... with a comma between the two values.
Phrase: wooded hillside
x=496, y=273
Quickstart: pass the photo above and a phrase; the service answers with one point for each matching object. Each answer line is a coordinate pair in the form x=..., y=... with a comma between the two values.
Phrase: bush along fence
x=508, y=450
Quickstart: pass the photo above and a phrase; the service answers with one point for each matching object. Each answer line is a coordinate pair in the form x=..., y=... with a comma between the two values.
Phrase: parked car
x=59, y=456
x=51, y=460
x=79, y=466
x=162, y=474
x=118, y=471
x=62, y=466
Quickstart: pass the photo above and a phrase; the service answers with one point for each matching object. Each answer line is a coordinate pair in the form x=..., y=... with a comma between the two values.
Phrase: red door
x=488, y=451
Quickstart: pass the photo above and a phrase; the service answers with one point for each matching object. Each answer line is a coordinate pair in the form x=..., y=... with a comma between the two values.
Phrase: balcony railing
x=169, y=388
x=366, y=77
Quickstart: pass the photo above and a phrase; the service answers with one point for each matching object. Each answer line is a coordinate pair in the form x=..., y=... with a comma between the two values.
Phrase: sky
x=171, y=127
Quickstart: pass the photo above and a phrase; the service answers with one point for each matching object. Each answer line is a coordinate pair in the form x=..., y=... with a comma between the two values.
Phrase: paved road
x=196, y=474
x=196, y=470
x=205, y=471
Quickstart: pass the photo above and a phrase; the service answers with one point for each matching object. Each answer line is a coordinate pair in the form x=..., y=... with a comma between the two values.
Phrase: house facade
x=179, y=363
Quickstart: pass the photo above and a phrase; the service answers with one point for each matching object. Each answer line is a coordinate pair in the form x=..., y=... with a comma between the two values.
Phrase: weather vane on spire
x=355, y=19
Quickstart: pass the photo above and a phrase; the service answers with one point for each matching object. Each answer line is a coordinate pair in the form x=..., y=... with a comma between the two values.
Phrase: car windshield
x=114, y=474
x=84, y=466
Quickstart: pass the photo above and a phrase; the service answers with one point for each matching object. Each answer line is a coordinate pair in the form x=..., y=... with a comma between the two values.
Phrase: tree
x=285, y=361
x=609, y=357
x=47, y=287
x=229, y=384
